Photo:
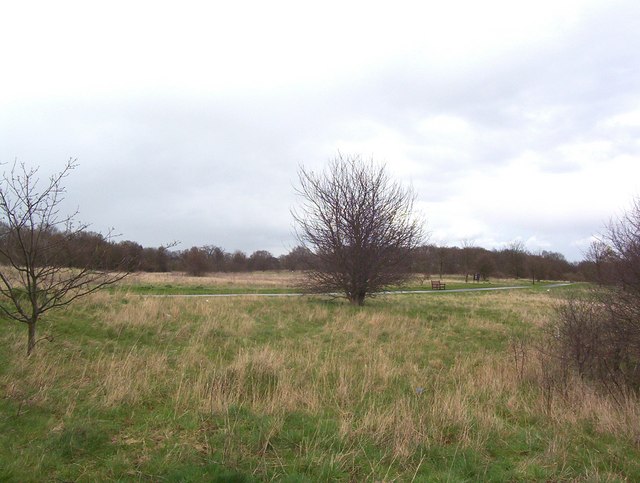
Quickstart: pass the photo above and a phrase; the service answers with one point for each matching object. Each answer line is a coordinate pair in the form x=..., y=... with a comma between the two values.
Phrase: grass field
x=267, y=282
x=437, y=387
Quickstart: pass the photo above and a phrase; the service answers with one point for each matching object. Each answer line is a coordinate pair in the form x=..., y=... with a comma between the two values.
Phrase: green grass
x=180, y=289
x=458, y=283
x=408, y=387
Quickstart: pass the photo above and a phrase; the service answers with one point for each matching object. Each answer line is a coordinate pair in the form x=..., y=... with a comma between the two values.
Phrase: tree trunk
x=32, y=337
x=357, y=298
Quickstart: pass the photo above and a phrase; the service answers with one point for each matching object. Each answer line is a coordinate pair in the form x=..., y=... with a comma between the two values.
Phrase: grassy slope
x=424, y=387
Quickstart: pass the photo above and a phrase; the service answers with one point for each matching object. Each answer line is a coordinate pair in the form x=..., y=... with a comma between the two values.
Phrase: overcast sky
x=512, y=120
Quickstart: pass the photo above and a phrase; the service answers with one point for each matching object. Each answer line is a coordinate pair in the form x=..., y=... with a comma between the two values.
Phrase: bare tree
x=485, y=265
x=442, y=254
x=196, y=262
x=599, y=257
x=296, y=259
x=35, y=239
x=262, y=260
x=517, y=255
x=359, y=227
x=237, y=261
x=467, y=247
x=215, y=256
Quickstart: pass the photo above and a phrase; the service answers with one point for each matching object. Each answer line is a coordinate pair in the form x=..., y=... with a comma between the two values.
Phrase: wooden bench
x=438, y=285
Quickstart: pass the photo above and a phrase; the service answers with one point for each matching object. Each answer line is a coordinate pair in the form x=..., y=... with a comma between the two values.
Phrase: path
x=395, y=292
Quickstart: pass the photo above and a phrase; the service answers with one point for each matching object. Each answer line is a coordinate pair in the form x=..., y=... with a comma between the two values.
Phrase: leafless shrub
x=359, y=227
x=598, y=335
x=592, y=338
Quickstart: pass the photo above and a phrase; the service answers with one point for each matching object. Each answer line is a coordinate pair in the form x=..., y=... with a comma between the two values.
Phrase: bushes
x=594, y=339
x=598, y=335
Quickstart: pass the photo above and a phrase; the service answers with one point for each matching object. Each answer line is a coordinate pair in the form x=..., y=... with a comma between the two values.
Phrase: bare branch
x=35, y=240
x=359, y=227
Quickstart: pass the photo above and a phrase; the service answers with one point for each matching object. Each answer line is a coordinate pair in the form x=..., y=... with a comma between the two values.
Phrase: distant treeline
x=88, y=249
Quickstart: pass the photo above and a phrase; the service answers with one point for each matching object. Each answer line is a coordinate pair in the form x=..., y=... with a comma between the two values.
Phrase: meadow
x=414, y=387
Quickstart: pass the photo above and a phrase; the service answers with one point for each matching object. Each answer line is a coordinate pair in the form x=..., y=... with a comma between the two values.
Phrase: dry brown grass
x=267, y=279
x=368, y=368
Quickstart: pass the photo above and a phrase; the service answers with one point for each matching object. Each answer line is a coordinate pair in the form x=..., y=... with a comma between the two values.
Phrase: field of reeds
x=433, y=387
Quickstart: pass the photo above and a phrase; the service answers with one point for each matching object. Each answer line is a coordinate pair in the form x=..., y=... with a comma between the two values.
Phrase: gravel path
x=456, y=290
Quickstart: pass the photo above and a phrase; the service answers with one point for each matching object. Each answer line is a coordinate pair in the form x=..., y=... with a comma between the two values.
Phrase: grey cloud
x=219, y=168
